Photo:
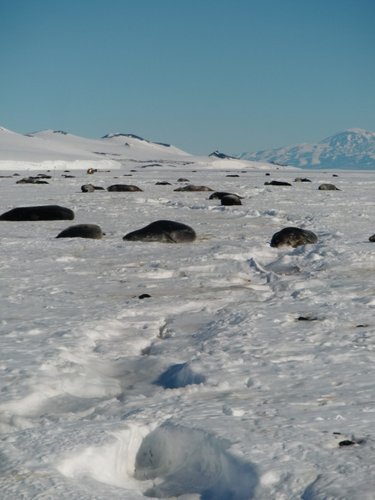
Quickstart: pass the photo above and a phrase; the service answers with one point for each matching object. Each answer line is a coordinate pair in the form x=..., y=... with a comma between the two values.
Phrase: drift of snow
x=245, y=372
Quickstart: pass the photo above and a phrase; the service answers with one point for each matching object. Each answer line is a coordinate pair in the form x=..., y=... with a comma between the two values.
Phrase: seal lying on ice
x=293, y=237
x=165, y=231
x=44, y=212
x=124, y=187
x=82, y=231
x=231, y=199
x=218, y=195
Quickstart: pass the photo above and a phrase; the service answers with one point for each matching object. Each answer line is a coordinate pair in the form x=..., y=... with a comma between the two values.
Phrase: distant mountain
x=222, y=156
x=57, y=149
x=54, y=145
x=353, y=149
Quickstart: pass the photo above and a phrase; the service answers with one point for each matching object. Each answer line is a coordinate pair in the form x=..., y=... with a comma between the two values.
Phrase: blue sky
x=234, y=75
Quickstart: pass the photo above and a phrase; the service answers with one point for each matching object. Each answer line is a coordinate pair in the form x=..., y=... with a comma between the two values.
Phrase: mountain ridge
x=351, y=148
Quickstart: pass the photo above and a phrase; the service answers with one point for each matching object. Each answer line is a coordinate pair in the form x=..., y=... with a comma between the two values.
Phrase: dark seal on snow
x=218, y=195
x=124, y=187
x=82, y=231
x=191, y=187
x=90, y=188
x=44, y=212
x=230, y=199
x=372, y=238
x=277, y=183
x=87, y=188
x=293, y=237
x=165, y=231
x=328, y=187
x=302, y=179
x=31, y=180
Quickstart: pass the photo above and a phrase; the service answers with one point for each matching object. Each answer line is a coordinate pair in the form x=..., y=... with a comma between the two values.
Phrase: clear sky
x=234, y=75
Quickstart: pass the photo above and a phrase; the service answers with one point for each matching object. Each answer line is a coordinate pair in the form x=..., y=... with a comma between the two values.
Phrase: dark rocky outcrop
x=222, y=156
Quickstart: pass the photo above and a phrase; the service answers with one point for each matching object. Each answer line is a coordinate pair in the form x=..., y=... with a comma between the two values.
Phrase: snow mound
x=168, y=461
x=185, y=461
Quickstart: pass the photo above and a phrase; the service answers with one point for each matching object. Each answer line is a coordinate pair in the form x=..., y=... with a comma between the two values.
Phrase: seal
x=293, y=237
x=192, y=187
x=87, y=188
x=43, y=212
x=218, y=195
x=277, y=183
x=31, y=180
x=164, y=231
x=230, y=199
x=302, y=179
x=328, y=187
x=123, y=187
x=82, y=231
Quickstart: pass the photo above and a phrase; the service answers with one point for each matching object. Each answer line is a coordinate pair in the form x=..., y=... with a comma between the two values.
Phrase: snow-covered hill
x=353, y=148
x=57, y=145
x=56, y=149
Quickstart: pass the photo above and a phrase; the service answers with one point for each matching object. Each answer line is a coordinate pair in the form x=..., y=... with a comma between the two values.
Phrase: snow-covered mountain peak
x=352, y=148
x=353, y=137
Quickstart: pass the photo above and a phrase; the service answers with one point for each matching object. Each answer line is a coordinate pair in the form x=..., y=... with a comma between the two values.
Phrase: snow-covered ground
x=237, y=378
